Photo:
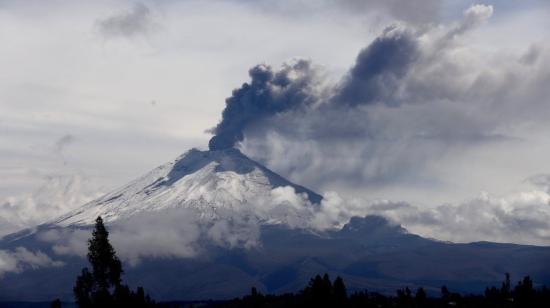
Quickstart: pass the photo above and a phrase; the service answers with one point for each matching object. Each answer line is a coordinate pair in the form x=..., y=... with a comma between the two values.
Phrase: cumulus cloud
x=58, y=194
x=66, y=241
x=61, y=190
x=183, y=233
x=166, y=234
x=473, y=17
x=518, y=218
x=162, y=234
x=137, y=21
x=236, y=231
x=21, y=259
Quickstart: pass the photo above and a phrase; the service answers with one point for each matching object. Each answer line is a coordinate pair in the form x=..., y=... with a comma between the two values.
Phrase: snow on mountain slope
x=205, y=181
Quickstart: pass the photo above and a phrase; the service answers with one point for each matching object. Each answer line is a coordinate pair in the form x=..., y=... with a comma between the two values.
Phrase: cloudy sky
x=439, y=104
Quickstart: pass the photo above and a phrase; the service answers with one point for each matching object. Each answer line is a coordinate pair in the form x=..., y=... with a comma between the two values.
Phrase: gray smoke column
x=268, y=93
x=379, y=69
x=375, y=77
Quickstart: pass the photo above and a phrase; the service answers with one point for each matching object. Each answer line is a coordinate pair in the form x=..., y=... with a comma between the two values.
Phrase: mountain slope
x=224, y=251
x=205, y=181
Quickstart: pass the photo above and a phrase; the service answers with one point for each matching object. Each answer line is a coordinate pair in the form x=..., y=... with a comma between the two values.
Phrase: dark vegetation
x=322, y=293
x=102, y=287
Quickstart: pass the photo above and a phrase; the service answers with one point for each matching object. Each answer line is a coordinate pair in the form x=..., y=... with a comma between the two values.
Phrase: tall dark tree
x=96, y=287
x=83, y=288
x=524, y=292
x=445, y=294
x=326, y=286
x=56, y=303
x=106, y=267
x=102, y=287
x=339, y=290
x=505, y=289
x=421, y=295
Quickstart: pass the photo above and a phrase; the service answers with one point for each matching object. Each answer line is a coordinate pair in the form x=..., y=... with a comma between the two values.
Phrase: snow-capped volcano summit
x=206, y=181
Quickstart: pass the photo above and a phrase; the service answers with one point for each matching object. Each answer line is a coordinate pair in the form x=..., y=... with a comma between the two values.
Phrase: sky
x=94, y=94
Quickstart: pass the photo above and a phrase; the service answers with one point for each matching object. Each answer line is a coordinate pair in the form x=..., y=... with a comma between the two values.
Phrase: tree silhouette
x=524, y=291
x=106, y=266
x=56, y=303
x=95, y=288
x=102, y=287
x=339, y=290
x=83, y=288
x=445, y=294
x=420, y=297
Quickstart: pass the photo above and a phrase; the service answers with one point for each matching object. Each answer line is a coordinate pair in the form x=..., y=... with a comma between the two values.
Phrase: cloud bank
x=184, y=233
x=21, y=259
x=58, y=193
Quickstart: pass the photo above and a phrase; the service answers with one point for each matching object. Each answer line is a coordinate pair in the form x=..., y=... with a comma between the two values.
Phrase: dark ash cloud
x=268, y=93
x=379, y=68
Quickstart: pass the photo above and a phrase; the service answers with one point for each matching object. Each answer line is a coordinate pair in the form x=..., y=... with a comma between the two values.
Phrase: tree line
x=321, y=292
x=101, y=286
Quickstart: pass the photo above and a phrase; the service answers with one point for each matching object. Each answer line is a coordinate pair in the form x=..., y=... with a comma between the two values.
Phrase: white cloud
x=477, y=14
x=21, y=259
x=66, y=241
x=516, y=218
x=166, y=234
x=183, y=233
x=58, y=194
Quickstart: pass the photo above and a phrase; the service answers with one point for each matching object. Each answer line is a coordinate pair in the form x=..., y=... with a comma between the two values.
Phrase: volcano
x=221, y=195
x=205, y=181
